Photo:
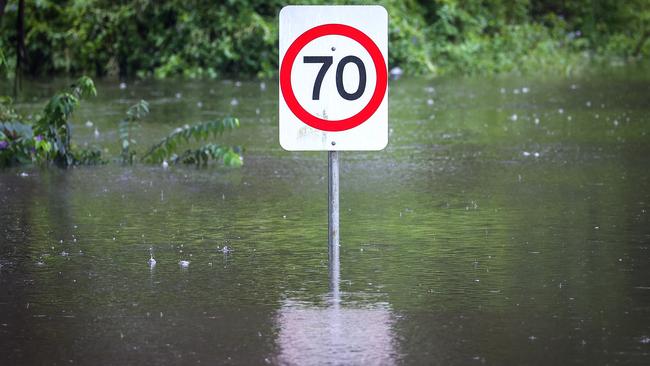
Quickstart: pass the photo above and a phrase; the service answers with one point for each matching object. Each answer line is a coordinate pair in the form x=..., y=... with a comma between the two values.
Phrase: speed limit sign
x=333, y=78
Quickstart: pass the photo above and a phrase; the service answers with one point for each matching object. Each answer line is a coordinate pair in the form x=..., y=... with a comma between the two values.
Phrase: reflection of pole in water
x=334, y=314
x=335, y=277
x=335, y=334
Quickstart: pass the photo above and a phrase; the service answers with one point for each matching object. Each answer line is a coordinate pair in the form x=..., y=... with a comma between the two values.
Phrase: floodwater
x=507, y=223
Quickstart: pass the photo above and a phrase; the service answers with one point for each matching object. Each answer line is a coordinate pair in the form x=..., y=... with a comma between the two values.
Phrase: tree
x=20, y=45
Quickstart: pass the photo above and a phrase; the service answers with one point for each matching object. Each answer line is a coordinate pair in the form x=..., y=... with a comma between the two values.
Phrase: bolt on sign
x=333, y=78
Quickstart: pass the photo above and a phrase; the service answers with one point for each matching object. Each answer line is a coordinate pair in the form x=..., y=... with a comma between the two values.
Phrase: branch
x=639, y=46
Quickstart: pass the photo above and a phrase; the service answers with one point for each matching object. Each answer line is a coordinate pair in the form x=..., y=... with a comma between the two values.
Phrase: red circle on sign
x=377, y=59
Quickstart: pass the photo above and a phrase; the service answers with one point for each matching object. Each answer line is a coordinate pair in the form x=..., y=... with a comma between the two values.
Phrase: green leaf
x=201, y=131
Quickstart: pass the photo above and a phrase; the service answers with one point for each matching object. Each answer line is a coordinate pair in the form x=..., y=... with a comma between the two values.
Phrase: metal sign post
x=333, y=87
x=333, y=206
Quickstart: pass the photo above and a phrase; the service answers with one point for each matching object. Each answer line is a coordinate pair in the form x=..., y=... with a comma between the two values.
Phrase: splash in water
x=152, y=260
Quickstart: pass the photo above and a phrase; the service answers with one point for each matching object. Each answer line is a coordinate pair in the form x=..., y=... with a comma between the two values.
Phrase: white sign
x=333, y=78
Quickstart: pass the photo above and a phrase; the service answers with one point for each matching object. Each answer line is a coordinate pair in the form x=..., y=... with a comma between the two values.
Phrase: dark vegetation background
x=210, y=39
x=206, y=38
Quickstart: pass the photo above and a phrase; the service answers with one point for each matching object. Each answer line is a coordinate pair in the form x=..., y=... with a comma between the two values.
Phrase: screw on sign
x=333, y=78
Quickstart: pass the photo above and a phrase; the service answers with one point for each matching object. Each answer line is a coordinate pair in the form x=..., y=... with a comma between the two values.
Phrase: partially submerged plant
x=90, y=156
x=126, y=126
x=165, y=150
x=18, y=145
x=49, y=138
x=230, y=156
x=54, y=124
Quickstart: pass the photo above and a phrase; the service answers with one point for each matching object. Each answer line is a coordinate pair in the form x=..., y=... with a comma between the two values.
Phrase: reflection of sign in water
x=335, y=335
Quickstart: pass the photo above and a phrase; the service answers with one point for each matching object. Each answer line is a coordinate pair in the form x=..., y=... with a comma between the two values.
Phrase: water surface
x=506, y=223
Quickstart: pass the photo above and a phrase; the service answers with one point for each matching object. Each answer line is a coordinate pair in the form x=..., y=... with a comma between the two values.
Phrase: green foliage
x=89, y=156
x=410, y=47
x=167, y=147
x=125, y=128
x=3, y=61
x=7, y=111
x=49, y=138
x=147, y=37
x=534, y=36
x=229, y=156
x=206, y=39
x=18, y=144
x=54, y=123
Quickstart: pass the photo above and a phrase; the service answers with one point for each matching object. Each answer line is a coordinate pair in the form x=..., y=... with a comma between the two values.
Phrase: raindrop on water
x=152, y=260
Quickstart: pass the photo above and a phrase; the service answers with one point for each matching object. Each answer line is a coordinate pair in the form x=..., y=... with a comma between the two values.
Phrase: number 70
x=327, y=62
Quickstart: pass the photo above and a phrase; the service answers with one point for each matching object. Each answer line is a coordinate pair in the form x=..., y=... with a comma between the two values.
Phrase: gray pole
x=333, y=165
